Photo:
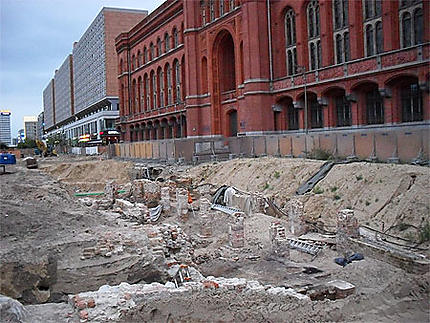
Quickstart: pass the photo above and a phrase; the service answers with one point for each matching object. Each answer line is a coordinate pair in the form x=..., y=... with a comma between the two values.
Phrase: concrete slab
x=363, y=144
x=259, y=146
x=409, y=145
x=386, y=145
x=272, y=145
x=344, y=144
x=285, y=146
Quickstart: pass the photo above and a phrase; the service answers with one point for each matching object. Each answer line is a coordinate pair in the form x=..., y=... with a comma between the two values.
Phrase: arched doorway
x=224, y=83
x=227, y=73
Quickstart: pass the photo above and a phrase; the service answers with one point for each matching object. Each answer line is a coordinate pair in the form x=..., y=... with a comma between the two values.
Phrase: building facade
x=5, y=135
x=85, y=95
x=49, y=105
x=64, y=98
x=30, y=127
x=245, y=67
x=40, y=126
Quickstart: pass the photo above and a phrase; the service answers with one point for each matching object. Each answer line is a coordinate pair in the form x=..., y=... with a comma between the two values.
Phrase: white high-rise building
x=30, y=127
x=5, y=135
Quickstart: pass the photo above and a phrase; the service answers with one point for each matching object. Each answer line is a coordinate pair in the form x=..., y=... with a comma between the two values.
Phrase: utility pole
x=302, y=69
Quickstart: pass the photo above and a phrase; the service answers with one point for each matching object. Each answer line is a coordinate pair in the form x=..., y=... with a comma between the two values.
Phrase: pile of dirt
x=387, y=197
x=87, y=175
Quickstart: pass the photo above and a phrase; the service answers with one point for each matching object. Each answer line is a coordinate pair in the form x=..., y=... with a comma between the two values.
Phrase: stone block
x=342, y=288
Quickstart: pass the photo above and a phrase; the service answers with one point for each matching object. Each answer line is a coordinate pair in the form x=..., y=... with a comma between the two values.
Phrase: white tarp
x=91, y=150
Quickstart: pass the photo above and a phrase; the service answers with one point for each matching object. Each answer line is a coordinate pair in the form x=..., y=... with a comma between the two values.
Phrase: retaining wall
x=393, y=143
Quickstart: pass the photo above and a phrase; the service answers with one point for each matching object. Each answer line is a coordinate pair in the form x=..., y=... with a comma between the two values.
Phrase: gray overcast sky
x=35, y=38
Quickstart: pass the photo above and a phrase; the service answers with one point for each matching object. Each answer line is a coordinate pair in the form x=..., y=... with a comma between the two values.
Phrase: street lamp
x=302, y=69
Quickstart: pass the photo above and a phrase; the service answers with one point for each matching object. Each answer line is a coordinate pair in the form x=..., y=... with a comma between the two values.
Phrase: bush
x=266, y=186
x=359, y=177
x=336, y=197
x=28, y=143
x=424, y=233
x=333, y=189
x=276, y=175
x=318, y=190
x=321, y=154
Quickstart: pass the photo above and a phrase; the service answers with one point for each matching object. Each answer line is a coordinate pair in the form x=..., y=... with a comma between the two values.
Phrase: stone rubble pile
x=110, y=303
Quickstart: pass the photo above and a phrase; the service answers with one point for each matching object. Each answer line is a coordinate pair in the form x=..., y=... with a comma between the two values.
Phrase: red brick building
x=213, y=67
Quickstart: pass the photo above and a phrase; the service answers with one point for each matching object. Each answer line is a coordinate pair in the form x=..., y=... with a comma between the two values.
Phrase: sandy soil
x=384, y=196
x=40, y=218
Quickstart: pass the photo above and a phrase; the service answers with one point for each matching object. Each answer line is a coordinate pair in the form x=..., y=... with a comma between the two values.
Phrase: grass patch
x=276, y=175
x=266, y=186
x=318, y=190
x=321, y=154
x=424, y=233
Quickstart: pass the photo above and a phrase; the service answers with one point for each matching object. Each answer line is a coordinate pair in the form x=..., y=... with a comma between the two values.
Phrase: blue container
x=7, y=159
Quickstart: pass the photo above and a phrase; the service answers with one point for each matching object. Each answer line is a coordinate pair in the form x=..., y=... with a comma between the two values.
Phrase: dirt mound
x=89, y=174
x=384, y=196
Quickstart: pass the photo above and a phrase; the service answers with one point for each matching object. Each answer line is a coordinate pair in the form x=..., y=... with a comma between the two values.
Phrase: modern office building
x=40, y=126
x=5, y=135
x=30, y=127
x=246, y=67
x=85, y=87
x=63, y=98
x=49, y=105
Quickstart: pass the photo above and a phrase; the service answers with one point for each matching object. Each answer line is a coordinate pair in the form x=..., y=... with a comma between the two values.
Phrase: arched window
x=203, y=12
x=147, y=97
x=169, y=84
x=369, y=40
x=412, y=103
x=175, y=38
x=166, y=42
x=374, y=107
x=372, y=10
x=134, y=97
x=290, y=39
x=313, y=14
x=231, y=5
x=160, y=77
x=221, y=8
x=293, y=117
x=343, y=111
x=204, y=75
x=177, y=68
x=133, y=62
x=154, y=90
x=341, y=30
x=140, y=93
x=151, y=52
x=411, y=23
x=317, y=115
x=139, y=58
x=159, y=47
x=145, y=55
x=211, y=10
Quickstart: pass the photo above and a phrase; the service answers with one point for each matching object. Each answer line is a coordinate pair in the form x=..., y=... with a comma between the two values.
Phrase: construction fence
x=388, y=144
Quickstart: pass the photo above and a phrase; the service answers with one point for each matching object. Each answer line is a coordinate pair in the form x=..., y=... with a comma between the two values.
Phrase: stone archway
x=224, y=80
